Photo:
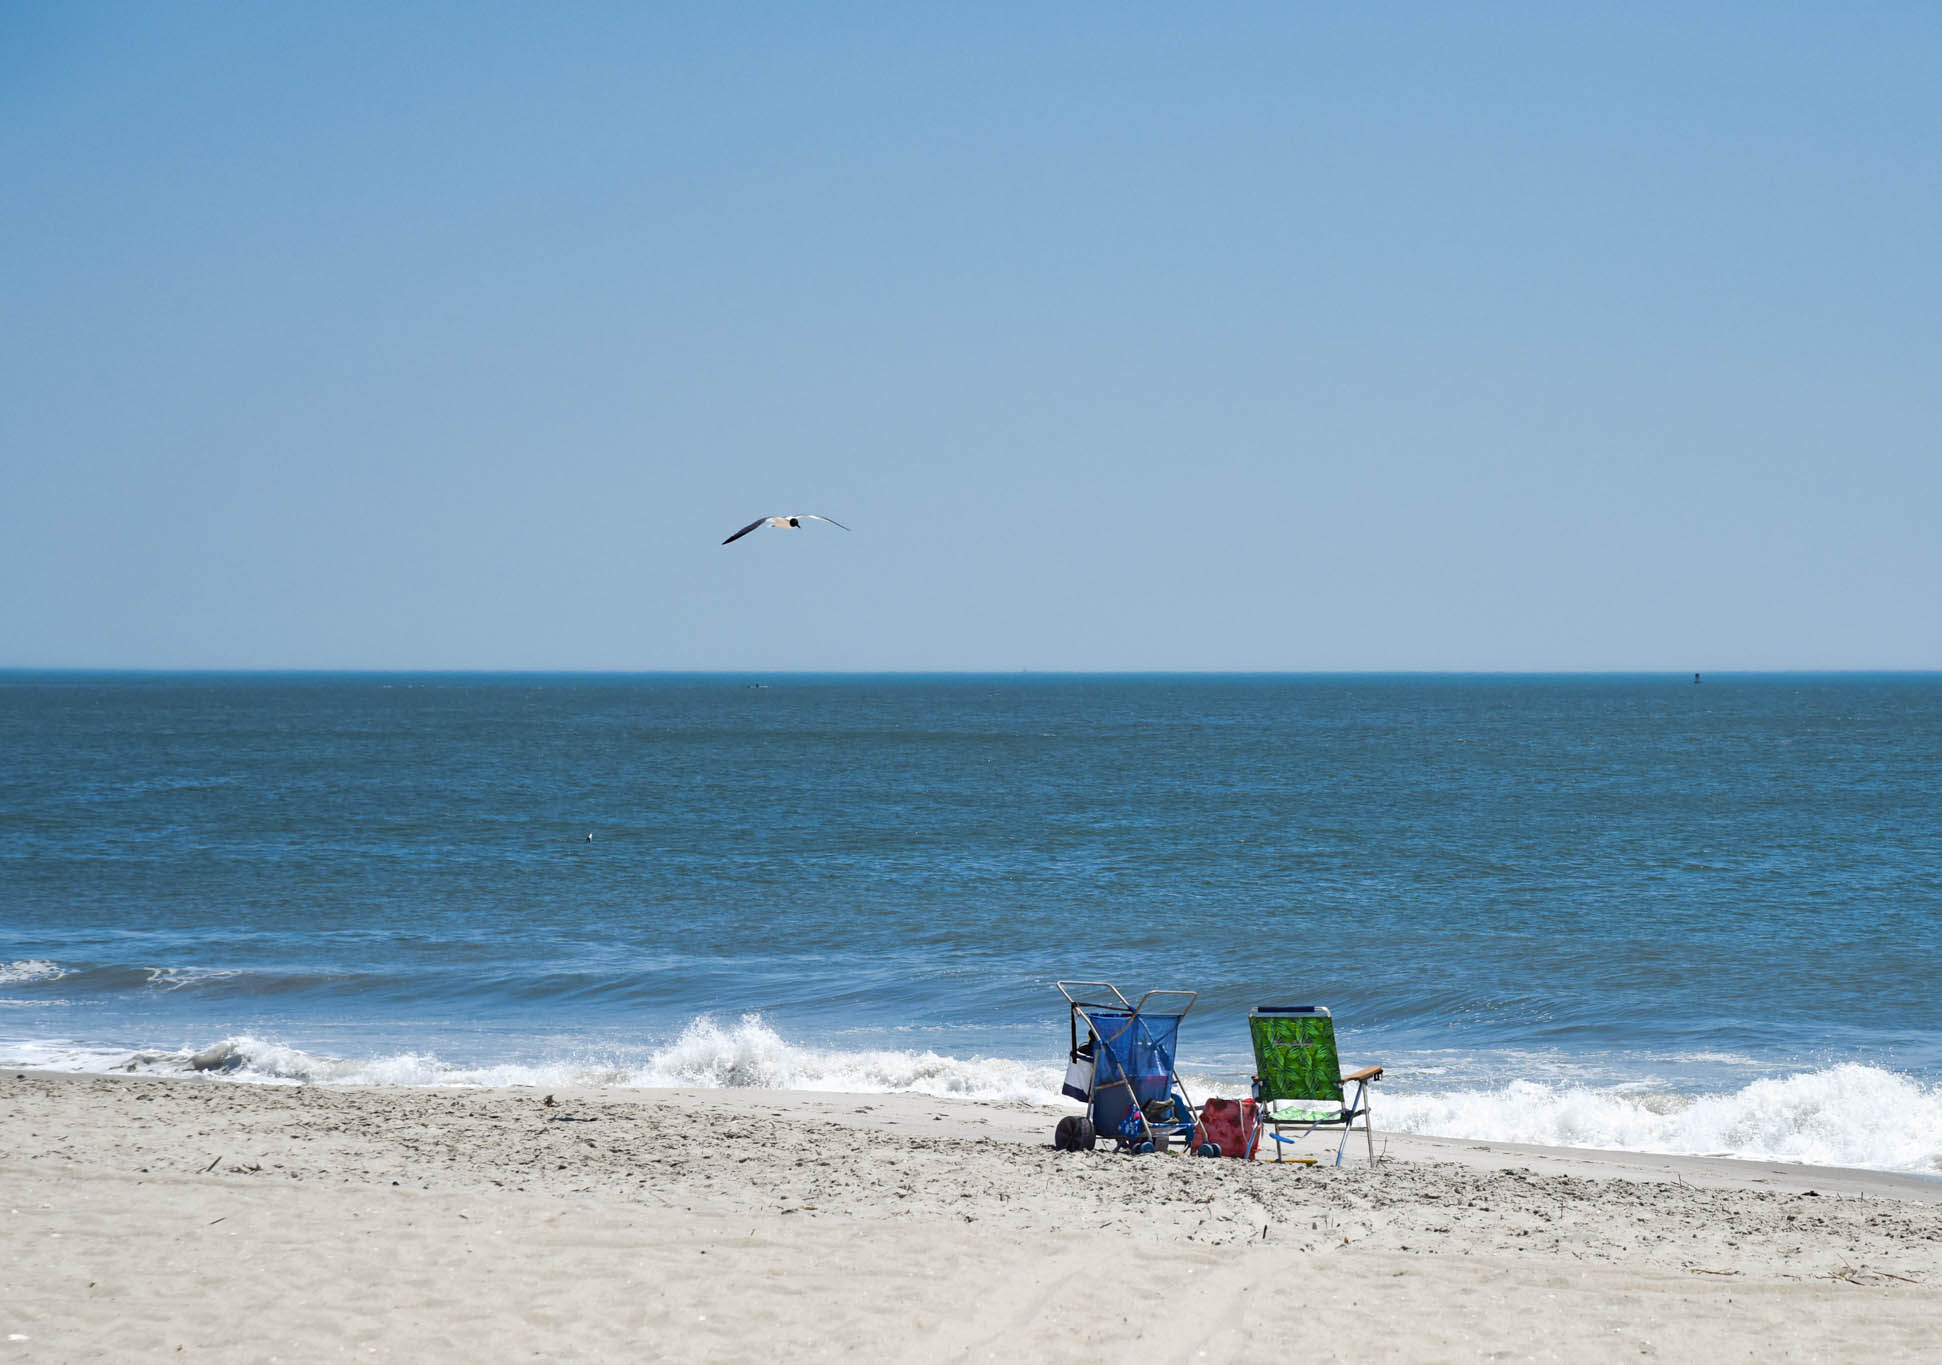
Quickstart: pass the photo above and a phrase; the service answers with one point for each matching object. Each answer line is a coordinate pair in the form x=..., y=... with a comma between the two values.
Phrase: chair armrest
x=1367, y=1073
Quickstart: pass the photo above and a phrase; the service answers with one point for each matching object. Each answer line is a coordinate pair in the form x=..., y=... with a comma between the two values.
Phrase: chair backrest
x=1294, y=1053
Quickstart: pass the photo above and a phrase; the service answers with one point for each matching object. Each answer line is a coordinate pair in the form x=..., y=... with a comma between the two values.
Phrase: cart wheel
x=1143, y=1149
x=1083, y=1130
x=1065, y=1137
x=1208, y=1149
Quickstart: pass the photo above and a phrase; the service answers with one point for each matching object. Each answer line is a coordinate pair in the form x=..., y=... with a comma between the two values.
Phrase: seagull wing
x=745, y=530
x=817, y=516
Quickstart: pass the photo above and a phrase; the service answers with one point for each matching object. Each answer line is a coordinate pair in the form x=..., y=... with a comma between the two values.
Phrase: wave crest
x=706, y=1055
x=1846, y=1115
x=751, y=1054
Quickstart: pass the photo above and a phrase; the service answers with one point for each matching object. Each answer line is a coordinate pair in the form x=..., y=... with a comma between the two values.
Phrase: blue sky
x=1124, y=337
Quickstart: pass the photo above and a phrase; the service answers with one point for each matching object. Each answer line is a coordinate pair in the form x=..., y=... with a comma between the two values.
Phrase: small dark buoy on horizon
x=1695, y=684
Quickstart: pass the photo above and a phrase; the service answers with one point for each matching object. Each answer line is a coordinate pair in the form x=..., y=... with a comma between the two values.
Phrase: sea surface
x=1619, y=911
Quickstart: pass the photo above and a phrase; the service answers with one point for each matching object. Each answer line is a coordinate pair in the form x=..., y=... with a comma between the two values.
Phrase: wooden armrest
x=1367, y=1073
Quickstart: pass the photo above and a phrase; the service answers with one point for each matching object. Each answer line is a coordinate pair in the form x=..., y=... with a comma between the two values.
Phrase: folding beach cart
x=1122, y=1070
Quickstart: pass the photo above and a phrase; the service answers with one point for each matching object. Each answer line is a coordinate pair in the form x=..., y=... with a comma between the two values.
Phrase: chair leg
x=1368, y=1120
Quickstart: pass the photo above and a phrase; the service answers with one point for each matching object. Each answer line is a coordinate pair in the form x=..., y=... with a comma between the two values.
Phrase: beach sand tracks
x=246, y=1221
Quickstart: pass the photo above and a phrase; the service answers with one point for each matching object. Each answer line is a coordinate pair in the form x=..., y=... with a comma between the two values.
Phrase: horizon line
x=476, y=671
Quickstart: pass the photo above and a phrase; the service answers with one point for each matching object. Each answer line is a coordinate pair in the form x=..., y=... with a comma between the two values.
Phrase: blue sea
x=1619, y=911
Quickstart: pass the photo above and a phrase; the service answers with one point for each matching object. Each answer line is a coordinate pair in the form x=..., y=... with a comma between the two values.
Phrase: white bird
x=793, y=523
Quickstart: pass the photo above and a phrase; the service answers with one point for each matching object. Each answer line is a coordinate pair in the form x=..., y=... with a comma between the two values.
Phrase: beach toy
x=1124, y=1070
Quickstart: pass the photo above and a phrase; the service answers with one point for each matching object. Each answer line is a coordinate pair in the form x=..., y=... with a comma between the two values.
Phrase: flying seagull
x=784, y=524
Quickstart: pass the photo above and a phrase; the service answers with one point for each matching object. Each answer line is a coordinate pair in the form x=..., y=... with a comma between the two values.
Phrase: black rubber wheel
x=1074, y=1134
x=1207, y=1149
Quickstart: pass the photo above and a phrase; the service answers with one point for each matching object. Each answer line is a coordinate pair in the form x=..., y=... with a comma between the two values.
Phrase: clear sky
x=1155, y=337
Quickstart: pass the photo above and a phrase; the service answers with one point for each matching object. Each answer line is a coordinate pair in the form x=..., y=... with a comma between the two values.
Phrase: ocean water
x=1620, y=911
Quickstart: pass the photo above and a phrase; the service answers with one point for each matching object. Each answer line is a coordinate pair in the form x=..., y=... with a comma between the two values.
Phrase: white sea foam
x=706, y=1055
x=753, y=1054
x=174, y=978
x=1846, y=1115
x=14, y=973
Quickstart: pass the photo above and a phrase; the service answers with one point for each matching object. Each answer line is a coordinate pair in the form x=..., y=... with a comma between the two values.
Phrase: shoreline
x=148, y=1212
x=1027, y=1117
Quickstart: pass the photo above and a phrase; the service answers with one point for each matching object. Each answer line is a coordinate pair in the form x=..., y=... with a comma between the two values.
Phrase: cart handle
x=1065, y=988
x=1192, y=997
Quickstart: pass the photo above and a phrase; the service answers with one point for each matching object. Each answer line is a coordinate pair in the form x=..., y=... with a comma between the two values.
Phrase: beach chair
x=1299, y=1081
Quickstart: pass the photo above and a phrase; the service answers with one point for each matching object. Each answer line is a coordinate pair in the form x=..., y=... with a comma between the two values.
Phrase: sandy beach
x=201, y=1219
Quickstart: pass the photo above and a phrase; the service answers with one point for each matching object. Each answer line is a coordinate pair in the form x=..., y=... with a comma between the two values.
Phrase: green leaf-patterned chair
x=1299, y=1081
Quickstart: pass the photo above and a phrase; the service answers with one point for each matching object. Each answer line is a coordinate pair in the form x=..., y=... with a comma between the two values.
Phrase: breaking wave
x=706, y=1055
x=1845, y=1115
x=752, y=1054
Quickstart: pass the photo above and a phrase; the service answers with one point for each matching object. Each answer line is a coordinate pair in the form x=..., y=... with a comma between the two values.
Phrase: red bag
x=1228, y=1124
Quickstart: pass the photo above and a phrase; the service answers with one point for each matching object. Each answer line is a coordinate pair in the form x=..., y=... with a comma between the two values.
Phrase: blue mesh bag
x=1135, y=1048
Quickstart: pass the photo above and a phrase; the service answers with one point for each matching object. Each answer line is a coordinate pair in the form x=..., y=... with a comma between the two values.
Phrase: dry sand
x=195, y=1218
